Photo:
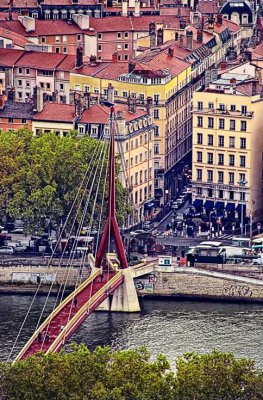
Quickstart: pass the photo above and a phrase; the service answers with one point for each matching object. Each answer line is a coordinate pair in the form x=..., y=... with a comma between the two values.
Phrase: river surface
x=170, y=327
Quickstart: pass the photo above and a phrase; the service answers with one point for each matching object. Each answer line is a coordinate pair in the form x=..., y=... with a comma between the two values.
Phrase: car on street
x=18, y=230
x=134, y=233
x=8, y=250
x=176, y=205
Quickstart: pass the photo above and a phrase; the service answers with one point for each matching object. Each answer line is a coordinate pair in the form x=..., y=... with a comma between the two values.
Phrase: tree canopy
x=130, y=375
x=40, y=177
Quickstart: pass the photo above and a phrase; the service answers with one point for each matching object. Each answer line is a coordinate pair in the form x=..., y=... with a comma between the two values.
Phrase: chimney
x=176, y=36
x=223, y=65
x=211, y=22
x=181, y=39
x=81, y=20
x=131, y=67
x=219, y=19
x=93, y=60
x=79, y=57
x=182, y=23
x=152, y=34
x=137, y=8
x=2, y=101
x=189, y=40
x=160, y=37
x=11, y=94
x=199, y=36
x=233, y=83
x=110, y=95
x=124, y=8
x=170, y=52
x=38, y=99
x=132, y=105
x=78, y=105
x=28, y=23
x=115, y=57
x=149, y=103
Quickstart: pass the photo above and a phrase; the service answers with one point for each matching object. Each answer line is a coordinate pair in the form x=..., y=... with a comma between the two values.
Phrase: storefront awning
x=239, y=208
x=230, y=207
x=198, y=203
x=208, y=204
x=219, y=205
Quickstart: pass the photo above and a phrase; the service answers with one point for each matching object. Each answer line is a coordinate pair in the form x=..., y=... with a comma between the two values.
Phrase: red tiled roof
x=47, y=61
x=103, y=70
x=17, y=39
x=14, y=26
x=99, y=114
x=20, y=3
x=56, y=112
x=232, y=26
x=90, y=70
x=258, y=52
x=67, y=64
x=5, y=15
x=69, y=2
x=208, y=7
x=207, y=36
x=8, y=57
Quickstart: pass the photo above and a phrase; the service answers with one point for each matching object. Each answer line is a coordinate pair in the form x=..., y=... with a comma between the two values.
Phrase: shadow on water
x=171, y=327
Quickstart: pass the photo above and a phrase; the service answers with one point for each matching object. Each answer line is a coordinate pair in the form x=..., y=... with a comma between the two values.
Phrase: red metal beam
x=111, y=226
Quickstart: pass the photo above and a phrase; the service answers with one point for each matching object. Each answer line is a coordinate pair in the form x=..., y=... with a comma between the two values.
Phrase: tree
x=41, y=177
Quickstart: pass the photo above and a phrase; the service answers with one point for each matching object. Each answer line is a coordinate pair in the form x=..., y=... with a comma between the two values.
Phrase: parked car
x=18, y=230
x=8, y=250
x=134, y=233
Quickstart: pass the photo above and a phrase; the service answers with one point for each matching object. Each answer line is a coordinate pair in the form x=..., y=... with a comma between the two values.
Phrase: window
x=64, y=38
x=221, y=123
x=199, y=156
x=126, y=57
x=242, y=196
x=156, y=98
x=232, y=142
x=57, y=50
x=27, y=71
x=10, y=120
x=125, y=94
x=131, y=161
x=19, y=82
x=136, y=178
x=43, y=39
x=156, y=131
x=210, y=141
x=232, y=125
x=199, y=191
x=126, y=46
x=231, y=160
x=57, y=39
x=99, y=47
x=199, y=122
x=220, y=177
x=156, y=148
x=221, y=107
x=243, y=143
x=243, y=109
x=199, y=138
x=48, y=86
x=99, y=35
x=96, y=90
x=231, y=195
x=20, y=70
x=126, y=35
x=221, y=141
x=210, y=158
x=231, y=178
x=199, y=174
x=79, y=37
x=220, y=159
x=210, y=122
x=232, y=107
x=209, y=175
x=210, y=193
x=119, y=35
x=65, y=50
x=242, y=161
x=200, y=105
x=156, y=114
x=242, y=177
x=19, y=95
x=211, y=106
x=243, y=126
x=61, y=86
x=220, y=194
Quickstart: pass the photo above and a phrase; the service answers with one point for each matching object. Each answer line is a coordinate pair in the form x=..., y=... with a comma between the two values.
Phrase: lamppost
x=242, y=183
x=166, y=196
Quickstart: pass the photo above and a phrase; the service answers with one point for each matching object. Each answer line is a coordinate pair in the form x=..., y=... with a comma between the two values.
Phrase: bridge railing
x=55, y=312
x=72, y=325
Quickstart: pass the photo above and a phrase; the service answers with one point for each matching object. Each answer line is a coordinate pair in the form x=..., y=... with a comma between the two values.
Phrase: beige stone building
x=228, y=147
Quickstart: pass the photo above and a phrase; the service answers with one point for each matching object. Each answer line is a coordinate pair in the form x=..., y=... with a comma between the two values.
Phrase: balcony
x=224, y=113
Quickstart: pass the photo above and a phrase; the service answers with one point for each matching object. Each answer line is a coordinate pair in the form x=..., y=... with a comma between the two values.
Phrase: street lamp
x=242, y=183
x=167, y=195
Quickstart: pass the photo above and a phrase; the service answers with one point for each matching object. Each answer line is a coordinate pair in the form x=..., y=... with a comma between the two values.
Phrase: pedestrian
x=75, y=302
x=39, y=337
x=47, y=337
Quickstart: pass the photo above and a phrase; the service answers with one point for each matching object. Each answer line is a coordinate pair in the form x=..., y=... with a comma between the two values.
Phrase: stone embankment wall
x=189, y=285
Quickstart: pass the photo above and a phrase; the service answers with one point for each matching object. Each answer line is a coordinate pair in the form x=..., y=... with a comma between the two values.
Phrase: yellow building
x=160, y=80
x=228, y=148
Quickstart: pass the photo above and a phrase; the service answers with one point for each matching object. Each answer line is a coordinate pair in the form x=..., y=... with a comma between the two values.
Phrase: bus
x=241, y=242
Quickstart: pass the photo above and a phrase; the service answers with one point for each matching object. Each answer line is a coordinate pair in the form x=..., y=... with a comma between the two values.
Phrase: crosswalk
x=225, y=236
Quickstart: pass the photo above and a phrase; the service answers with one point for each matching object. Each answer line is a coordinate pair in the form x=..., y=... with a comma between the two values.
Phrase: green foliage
x=40, y=177
x=130, y=375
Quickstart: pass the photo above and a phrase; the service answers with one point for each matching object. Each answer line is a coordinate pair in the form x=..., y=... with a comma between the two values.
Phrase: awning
x=239, y=208
x=158, y=192
x=150, y=204
x=219, y=205
x=230, y=207
x=198, y=203
x=209, y=204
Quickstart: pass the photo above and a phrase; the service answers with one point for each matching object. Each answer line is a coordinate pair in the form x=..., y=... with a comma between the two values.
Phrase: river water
x=170, y=327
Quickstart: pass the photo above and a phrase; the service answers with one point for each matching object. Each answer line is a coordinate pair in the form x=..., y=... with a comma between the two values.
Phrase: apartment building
x=227, y=147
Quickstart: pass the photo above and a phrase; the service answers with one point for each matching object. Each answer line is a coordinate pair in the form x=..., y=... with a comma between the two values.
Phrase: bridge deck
x=65, y=319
